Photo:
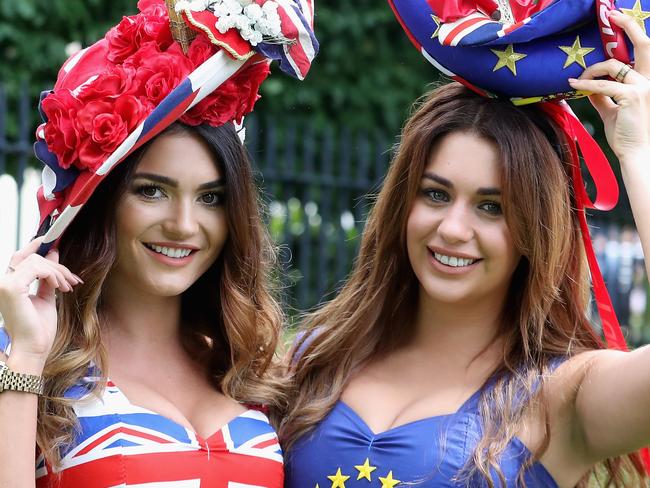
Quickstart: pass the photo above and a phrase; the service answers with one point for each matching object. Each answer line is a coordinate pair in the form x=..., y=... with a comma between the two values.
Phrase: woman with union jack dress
x=145, y=357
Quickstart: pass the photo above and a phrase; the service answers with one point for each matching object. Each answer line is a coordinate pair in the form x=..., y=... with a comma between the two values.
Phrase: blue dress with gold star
x=343, y=452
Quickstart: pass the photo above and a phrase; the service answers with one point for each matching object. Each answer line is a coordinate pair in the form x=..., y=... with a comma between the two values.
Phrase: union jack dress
x=119, y=444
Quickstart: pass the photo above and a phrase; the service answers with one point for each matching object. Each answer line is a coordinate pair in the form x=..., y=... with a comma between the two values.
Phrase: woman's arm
x=30, y=321
x=613, y=400
x=18, y=427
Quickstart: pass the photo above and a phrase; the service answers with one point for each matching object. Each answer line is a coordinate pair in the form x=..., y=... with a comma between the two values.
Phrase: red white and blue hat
x=523, y=49
x=197, y=61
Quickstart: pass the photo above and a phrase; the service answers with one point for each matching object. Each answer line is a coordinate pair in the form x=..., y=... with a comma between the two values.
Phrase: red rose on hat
x=112, y=84
x=232, y=100
x=124, y=39
x=86, y=125
x=200, y=50
x=147, y=5
x=247, y=82
x=61, y=136
x=132, y=32
x=103, y=125
x=156, y=25
x=158, y=73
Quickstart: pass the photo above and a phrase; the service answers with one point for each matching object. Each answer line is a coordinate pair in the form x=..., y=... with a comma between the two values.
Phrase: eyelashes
x=438, y=196
x=155, y=192
x=150, y=192
x=492, y=208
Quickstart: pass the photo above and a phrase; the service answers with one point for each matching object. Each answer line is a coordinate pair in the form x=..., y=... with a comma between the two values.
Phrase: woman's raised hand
x=31, y=320
x=624, y=104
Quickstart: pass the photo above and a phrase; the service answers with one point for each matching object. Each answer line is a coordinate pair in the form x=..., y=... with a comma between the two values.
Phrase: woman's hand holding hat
x=31, y=320
x=623, y=104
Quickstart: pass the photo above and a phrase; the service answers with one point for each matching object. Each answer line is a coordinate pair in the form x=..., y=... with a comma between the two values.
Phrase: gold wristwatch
x=10, y=380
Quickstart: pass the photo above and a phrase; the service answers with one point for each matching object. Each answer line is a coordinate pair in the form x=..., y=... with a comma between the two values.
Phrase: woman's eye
x=493, y=208
x=437, y=195
x=150, y=191
x=213, y=199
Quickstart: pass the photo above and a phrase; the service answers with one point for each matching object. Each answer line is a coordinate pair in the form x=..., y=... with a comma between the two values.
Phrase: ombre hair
x=546, y=316
x=231, y=320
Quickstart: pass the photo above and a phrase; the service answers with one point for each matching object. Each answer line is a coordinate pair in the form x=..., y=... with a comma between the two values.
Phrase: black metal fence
x=16, y=134
x=317, y=182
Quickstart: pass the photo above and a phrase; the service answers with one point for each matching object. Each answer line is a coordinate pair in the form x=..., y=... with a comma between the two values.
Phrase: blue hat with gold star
x=522, y=49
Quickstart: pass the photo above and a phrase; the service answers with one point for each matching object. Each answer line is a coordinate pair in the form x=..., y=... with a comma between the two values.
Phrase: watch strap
x=28, y=383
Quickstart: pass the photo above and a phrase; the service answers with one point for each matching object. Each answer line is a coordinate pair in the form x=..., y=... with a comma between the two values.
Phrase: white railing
x=18, y=213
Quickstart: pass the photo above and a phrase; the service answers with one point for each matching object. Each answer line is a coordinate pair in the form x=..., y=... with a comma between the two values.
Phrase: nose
x=456, y=224
x=182, y=222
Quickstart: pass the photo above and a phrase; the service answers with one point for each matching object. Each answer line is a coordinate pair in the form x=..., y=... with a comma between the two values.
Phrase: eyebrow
x=165, y=180
x=485, y=191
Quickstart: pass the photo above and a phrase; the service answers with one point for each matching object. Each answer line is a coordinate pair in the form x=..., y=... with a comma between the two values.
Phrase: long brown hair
x=230, y=317
x=548, y=296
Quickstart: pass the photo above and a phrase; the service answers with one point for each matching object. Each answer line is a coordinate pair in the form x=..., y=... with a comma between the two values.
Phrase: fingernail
x=77, y=277
x=572, y=80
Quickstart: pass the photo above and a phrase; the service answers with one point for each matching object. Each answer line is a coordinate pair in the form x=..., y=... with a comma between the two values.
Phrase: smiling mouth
x=453, y=261
x=170, y=252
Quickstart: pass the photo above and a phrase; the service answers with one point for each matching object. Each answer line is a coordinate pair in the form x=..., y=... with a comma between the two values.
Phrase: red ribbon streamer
x=606, y=198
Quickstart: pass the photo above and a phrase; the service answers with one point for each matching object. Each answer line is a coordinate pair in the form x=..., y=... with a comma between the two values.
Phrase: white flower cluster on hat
x=255, y=23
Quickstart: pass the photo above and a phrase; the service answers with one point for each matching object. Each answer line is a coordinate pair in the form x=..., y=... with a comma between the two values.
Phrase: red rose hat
x=199, y=61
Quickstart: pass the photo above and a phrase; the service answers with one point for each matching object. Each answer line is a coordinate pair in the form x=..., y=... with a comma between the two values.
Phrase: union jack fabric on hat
x=117, y=94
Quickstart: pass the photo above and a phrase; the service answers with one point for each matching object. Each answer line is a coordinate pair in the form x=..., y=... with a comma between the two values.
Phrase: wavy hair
x=548, y=295
x=231, y=316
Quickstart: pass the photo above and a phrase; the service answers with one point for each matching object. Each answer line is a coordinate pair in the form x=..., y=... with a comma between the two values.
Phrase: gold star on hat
x=576, y=53
x=638, y=14
x=508, y=58
x=436, y=21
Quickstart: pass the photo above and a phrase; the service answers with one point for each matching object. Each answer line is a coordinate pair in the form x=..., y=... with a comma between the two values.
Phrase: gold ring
x=622, y=73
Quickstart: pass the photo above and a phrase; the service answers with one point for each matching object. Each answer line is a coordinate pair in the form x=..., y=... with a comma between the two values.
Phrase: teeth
x=171, y=252
x=453, y=261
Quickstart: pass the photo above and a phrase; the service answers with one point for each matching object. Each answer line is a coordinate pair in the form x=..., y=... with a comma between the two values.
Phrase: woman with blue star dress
x=460, y=352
